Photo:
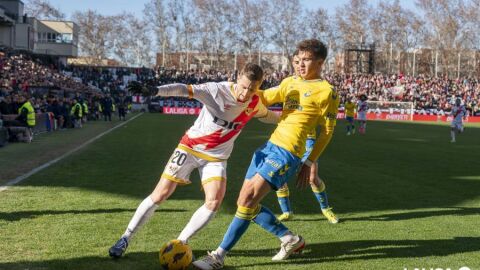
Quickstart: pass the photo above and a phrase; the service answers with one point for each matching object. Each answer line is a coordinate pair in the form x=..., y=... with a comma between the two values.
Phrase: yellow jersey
x=306, y=105
x=312, y=134
x=349, y=109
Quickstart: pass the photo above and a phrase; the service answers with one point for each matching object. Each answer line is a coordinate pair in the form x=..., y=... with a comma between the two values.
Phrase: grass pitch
x=407, y=198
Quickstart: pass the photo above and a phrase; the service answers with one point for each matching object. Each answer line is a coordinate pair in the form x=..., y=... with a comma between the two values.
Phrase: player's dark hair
x=253, y=72
x=295, y=53
x=314, y=46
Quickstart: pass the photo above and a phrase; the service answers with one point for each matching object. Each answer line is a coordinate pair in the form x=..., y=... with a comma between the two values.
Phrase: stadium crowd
x=56, y=89
x=429, y=95
x=33, y=90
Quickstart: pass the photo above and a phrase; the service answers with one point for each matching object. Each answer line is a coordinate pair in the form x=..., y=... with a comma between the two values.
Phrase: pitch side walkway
x=20, y=160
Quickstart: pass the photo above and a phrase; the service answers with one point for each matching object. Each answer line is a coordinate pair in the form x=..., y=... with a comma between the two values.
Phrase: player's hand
x=303, y=179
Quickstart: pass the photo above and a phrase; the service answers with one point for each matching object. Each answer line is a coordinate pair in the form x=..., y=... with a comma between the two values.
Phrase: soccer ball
x=175, y=255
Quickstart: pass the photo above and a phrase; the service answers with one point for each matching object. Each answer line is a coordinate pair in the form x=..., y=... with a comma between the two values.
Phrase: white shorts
x=182, y=163
x=362, y=116
x=457, y=125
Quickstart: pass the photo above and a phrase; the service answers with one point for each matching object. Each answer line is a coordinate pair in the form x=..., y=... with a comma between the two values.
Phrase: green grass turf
x=407, y=198
x=19, y=158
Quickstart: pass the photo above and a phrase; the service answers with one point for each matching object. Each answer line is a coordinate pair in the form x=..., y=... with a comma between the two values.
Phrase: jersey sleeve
x=261, y=109
x=206, y=93
x=327, y=121
x=265, y=115
x=174, y=90
x=275, y=94
x=312, y=134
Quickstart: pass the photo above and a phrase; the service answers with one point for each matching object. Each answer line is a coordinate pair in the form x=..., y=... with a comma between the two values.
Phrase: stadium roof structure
x=6, y=17
x=359, y=58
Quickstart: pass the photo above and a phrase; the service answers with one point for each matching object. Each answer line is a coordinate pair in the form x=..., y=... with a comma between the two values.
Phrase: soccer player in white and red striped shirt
x=458, y=114
x=362, y=108
x=206, y=146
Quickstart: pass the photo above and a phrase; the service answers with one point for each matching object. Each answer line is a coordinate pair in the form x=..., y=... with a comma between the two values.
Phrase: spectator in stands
x=96, y=109
x=22, y=126
x=58, y=110
x=122, y=104
x=76, y=112
x=85, y=111
x=107, y=107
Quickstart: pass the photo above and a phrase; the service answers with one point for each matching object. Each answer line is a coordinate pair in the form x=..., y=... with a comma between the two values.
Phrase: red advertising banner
x=341, y=115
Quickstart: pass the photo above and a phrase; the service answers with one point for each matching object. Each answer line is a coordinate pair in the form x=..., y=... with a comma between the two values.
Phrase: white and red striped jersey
x=362, y=106
x=458, y=113
x=221, y=119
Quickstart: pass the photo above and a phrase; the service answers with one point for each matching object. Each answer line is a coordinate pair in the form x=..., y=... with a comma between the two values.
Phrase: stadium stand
x=52, y=88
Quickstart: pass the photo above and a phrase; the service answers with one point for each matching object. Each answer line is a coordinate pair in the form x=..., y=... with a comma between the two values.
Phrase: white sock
x=221, y=252
x=289, y=236
x=452, y=133
x=144, y=212
x=199, y=219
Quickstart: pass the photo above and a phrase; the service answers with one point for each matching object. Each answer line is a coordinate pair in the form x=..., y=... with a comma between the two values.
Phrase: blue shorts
x=275, y=164
x=349, y=119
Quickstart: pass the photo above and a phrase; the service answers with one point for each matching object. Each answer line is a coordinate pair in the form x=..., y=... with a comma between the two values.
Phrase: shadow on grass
x=454, y=211
x=315, y=253
x=16, y=216
x=372, y=172
x=131, y=261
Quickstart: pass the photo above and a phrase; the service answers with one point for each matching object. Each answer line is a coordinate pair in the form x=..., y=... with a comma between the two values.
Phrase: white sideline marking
x=46, y=165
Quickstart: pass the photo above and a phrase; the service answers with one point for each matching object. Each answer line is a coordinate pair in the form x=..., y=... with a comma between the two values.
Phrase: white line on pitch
x=46, y=165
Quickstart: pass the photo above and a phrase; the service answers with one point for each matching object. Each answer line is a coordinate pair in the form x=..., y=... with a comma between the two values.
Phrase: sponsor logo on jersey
x=228, y=124
x=273, y=163
x=308, y=93
x=284, y=170
x=292, y=103
x=172, y=169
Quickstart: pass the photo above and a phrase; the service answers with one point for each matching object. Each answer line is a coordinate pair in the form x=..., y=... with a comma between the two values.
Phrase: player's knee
x=245, y=199
x=159, y=196
x=315, y=182
x=213, y=204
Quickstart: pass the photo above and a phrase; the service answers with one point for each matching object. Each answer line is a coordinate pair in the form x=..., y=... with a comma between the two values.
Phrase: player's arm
x=268, y=116
x=327, y=122
x=265, y=115
x=323, y=139
x=205, y=93
x=175, y=90
x=275, y=94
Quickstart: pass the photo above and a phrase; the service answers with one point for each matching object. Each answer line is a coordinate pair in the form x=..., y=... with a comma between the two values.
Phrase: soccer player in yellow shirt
x=349, y=115
x=307, y=103
x=318, y=186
